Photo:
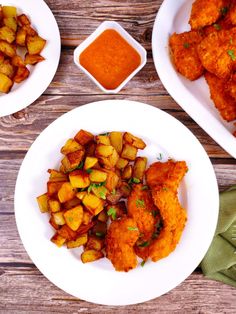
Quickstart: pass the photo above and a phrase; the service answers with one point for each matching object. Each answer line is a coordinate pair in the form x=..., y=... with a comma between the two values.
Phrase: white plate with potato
x=98, y=281
x=26, y=72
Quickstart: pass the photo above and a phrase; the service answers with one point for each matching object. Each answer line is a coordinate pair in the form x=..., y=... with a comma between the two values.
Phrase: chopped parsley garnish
x=186, y=45
x=144, y=244
x=134, y=180
x=217, y=26
x=140, y=203
x=99, y=234
x=102, y=194
x=89, y=171
x=231, y=54
x=133, y=228
x=145, y=187
x=90, y=188
x=104, y=134
x=224, y=10
x=160, y=157
x=112, y=212
x=95, y=185
x=113, y=192
x=143, y=263
x=165, y=188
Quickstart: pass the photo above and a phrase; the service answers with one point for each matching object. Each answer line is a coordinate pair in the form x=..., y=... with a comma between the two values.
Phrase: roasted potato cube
x=81, y=195
x=94, y=243
x=70, y=146
x=7, y=34
x=83, y=137
x=23, y=20
x=99, y=229
x=72, y=203
x=8, y=49
x=53, y=187
x=7, y=68
x=116, y=139
x=30, y=31
x=87, y=217
x=127, y=172
x=21, y=74
x=1, y=57
x=67, y=233
x=75, y=158
x=53, y=224
x=33, y=59
x=17, y=61
x=93, y=203
x=43, y=203
x=10, y=22
x=66, y=192
x=35, y=44
x=91, y=256
x=79, y=179
x=85, y=228
x=100, y=191
x=102, y=216
x=110, y=161
x=139, y=167
x=129, y=152
x=90, y=162
x=58, y=239
x=90, y=149
x=54, y=205
x=104, y=150
x=74, y=217
x=81, y=240
x=5, y=83
x=21, y=37
x=59, y=218
x=134, y=141
x=121, y=163
x=56, y=176
x=9, y=11
x=97, y=176
x=112, y=180
x=103, y=139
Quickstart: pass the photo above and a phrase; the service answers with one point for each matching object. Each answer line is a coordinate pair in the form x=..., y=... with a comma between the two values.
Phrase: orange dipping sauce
x=110, y=59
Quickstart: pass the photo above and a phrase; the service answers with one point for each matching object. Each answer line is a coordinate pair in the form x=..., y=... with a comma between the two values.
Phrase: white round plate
x=98, y=282
x=41, y=75
x=193, y=97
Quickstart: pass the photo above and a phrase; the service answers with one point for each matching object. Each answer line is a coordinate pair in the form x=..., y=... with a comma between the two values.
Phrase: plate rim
x=224, y=138
x=12, y=99
x=97, y=104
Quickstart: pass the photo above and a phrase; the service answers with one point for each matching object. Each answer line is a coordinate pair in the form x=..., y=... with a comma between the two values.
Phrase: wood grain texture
x=23, y=289
x=36, y=294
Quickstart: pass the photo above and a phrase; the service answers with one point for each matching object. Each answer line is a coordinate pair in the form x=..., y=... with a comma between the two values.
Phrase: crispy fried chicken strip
x=121, y=238
x=205, y=12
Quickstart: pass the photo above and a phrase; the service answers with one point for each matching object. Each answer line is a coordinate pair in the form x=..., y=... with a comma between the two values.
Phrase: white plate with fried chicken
x=107, y=280
x=189, y=57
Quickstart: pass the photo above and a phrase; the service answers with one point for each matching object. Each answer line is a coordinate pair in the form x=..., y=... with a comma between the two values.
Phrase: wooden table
x=23, y=289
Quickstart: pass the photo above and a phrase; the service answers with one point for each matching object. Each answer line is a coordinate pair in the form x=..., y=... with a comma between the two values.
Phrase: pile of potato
x=17, y=37
x=94, y=179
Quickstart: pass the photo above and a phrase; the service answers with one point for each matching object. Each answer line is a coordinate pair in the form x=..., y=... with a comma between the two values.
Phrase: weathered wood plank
x=25, y=290
x=18, y=131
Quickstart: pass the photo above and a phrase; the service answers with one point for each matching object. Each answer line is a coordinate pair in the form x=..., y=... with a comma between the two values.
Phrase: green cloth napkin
x=219, y=262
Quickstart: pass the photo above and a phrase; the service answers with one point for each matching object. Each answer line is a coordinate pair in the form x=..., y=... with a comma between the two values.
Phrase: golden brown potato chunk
x=207, y=12
x=35, y=44
x=184, y=54
x=222, y=100
x=5, y=83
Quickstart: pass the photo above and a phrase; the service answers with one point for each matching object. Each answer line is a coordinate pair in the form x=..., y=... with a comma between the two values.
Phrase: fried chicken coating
x=140, y=207
x=231, y=86
x=223, y=101
x=232, y=12
x=205, y=12
x=121, y=238
x=169, y=173
x=183, y=48
x=217, y=52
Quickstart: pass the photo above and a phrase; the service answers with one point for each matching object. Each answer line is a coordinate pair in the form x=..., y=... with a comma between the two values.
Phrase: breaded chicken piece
x=120, y=240
x=174, y=218
x=183, y=48
x=232, y=12
x=217, y=52
x=140, y=207
x=231, y=86
x=169, y=173
x=224, y=23
x=223, y=101
x=206, y=12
